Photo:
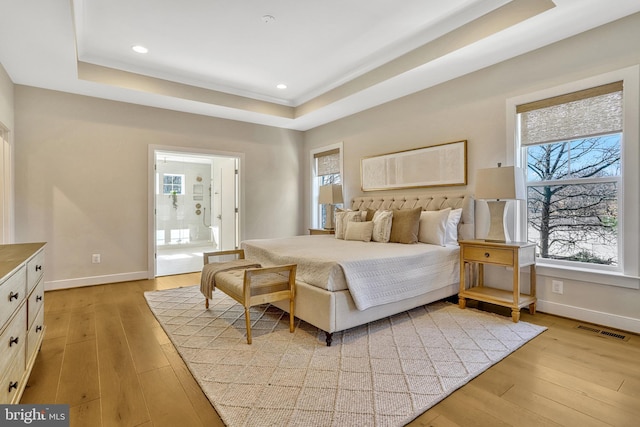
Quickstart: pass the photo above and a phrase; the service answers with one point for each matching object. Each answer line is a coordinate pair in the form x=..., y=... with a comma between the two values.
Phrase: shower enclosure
x=195, y=208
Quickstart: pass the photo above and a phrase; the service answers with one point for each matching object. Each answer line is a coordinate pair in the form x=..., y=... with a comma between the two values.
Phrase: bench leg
x=206, y=303
x=291, y=316
x=247, y=319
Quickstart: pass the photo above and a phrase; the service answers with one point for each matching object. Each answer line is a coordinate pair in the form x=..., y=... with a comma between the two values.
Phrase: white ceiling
x=220, y=58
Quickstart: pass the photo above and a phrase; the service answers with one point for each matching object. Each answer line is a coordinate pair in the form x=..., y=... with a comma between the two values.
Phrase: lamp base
x=328, y=223
x=497, y=228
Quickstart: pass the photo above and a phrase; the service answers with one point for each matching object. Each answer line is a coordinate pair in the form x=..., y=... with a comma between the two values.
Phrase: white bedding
x=374, y=273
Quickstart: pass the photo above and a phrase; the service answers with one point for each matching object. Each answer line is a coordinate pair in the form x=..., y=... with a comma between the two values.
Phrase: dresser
x=21, y=315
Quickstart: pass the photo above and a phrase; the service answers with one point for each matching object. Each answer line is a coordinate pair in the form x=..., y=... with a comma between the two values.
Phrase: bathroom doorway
x=195, y=208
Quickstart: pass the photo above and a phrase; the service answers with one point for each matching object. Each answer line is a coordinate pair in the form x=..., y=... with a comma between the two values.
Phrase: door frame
x=151, y=200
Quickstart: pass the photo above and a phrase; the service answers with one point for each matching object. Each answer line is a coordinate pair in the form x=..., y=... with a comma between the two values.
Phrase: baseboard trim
x=95, y=280
x=622, y=323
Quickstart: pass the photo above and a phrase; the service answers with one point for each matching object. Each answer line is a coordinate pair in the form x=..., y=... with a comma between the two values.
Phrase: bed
x=342, y=283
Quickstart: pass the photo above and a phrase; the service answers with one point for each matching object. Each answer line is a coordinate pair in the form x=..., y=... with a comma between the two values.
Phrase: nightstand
x=512, y=254
x=321, y=231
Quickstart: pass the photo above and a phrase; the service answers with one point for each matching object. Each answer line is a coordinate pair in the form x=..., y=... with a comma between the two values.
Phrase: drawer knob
x=13, y=385
x=487, y=254
x=13, y=295
x=39, y=298
x=38, y=328
x=13, y=340
x=38, y=267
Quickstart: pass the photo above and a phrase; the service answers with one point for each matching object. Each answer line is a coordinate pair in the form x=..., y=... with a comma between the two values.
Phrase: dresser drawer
x=12, y=293
x=35, y=302
x=11, y=380
x=35, y=333
x=35, y=269
x=13, y=339
x=488, y=255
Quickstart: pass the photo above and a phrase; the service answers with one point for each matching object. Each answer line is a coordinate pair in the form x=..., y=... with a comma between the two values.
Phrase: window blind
x=582, y=114
x=328, y=162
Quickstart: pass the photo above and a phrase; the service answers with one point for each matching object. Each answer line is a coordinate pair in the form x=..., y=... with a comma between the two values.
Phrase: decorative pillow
x=433, y=225
x=342, y=218
x=451, y=235
x=359, y=231
x=370, y=214
x=382, y=226
x=405, y=225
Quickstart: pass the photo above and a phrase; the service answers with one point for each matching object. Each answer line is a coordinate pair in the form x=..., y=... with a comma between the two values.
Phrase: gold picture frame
x=434, y=166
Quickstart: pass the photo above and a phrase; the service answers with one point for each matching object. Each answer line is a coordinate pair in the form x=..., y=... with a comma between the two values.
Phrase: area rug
x=385, y=373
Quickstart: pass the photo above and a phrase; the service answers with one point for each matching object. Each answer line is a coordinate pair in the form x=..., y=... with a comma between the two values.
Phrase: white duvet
x=374, y=273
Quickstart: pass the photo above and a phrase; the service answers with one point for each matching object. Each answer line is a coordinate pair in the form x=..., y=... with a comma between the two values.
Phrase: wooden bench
x=255, y=286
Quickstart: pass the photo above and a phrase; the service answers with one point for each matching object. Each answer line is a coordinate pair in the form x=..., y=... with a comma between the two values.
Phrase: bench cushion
x=232, y=283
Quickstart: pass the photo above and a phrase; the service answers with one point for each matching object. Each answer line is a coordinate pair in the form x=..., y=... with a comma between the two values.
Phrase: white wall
x=473, y=107
x=81, y=179
x=6, y=99
x=6, y=154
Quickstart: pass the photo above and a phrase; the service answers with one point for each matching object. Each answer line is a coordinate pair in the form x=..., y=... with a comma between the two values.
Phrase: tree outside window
x=572, y=199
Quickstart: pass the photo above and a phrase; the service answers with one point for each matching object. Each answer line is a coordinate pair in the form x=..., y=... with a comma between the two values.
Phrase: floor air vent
x=604, y=333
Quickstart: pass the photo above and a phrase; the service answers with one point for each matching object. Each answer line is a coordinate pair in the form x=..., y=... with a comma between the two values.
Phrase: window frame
x=182, y=184
x=629, y=200
x=315, y=217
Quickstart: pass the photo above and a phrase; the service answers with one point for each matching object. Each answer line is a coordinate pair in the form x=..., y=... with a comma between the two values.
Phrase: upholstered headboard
x=466, y=227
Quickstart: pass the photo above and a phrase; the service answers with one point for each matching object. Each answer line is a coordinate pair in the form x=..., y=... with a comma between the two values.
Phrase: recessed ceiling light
x=139, y=49
x=281, y=86
x=268, y=19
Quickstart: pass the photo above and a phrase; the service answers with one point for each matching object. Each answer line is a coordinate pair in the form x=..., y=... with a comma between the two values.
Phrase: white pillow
x=342, y=218
x=433, y=225
x=382, y=226
x=359, y=231
x=451, y=235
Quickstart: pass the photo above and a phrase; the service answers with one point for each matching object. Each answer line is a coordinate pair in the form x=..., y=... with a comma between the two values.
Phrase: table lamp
x=330, y=195
x=497, y=186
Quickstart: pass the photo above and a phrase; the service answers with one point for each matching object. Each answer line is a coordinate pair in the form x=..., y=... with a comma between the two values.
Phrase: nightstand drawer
x=315, y=231
x=488, y=255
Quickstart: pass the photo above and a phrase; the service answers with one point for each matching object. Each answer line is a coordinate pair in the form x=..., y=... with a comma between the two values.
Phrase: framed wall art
x=434, y=166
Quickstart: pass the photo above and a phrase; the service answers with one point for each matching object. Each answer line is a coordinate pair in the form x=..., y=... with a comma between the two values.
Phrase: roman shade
x=328, y=162
x=582, y=114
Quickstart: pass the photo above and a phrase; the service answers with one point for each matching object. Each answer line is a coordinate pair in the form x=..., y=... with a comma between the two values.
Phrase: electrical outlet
x=95, y=258
x=556, y=286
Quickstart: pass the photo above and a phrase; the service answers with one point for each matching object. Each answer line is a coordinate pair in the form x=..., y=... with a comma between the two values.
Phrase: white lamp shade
x=501, y=183
x=330, y=194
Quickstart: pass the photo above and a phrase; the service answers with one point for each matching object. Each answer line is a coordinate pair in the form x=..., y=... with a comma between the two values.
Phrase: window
x=172, y=184
x=326, y=170
x=572, y=148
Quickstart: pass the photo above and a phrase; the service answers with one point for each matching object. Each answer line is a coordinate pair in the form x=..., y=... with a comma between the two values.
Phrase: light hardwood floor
x=107, y=357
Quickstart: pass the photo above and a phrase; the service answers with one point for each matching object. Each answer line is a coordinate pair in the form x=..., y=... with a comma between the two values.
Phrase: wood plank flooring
x=107, y=357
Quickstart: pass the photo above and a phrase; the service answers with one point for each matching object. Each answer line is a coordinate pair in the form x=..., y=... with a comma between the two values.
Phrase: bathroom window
x=172, y=183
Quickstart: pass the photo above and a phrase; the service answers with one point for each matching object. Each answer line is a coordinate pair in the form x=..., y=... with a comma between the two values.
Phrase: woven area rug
x=385, y=373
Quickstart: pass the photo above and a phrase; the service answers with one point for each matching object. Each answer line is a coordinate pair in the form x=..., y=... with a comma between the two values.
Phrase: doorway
x=195, y=208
